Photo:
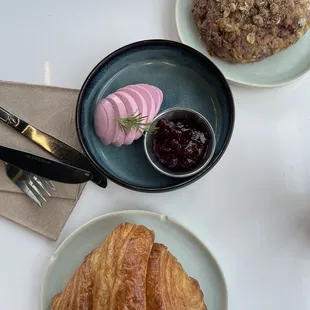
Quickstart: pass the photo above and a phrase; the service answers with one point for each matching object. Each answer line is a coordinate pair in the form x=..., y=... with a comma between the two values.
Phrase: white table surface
x=252, y=210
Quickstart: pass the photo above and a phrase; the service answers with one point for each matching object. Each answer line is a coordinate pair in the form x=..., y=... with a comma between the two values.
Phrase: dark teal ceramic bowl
x=186, y=77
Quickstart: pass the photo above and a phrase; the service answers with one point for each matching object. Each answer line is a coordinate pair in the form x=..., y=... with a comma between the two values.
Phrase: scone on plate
x=242, y=31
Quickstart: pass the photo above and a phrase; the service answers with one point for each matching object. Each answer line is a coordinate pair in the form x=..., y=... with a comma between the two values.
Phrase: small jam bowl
x=181, y=114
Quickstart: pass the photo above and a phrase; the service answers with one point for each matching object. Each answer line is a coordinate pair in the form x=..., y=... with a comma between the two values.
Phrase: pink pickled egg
x=109, y=134
x=131, y=109
x=119, y=112
x=141, y=104
x=149, y=101
x=160, y=99
x=140, y=99
x=157, y=95
x=101, y=123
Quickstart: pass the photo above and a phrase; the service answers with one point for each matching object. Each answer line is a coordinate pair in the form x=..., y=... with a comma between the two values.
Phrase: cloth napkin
x=52, y=110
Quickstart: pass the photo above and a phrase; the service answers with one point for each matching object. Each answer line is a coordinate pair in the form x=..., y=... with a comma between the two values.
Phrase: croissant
x=113, y=276
x=168, y=287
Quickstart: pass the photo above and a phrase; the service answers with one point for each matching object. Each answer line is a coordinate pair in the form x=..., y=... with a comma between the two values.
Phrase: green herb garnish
x=133, y=122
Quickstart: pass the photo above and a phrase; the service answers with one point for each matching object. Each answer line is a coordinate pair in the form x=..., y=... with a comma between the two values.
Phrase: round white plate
x=277, y=70
x=196, y=259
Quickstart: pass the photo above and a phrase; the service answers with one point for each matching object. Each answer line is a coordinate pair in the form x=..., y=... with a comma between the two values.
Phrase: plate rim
x=143, y=43
x=133, y=213
x=230, y=79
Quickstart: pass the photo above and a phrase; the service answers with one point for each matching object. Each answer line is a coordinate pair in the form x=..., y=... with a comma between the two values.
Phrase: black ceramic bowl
x=188, y=80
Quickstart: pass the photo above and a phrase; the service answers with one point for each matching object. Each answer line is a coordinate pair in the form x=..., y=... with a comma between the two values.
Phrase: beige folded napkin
x=52, y=110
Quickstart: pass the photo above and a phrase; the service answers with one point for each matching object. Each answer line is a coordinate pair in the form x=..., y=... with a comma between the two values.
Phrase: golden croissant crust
x=168, y=287
x=113, y=276
x=129, y=272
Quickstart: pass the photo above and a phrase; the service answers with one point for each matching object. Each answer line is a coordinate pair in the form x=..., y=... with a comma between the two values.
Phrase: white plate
x=191, y=253
x=278, y=70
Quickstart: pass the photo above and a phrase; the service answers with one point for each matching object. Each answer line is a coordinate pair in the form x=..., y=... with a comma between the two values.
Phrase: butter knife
x=44, y=167
x=60, y=150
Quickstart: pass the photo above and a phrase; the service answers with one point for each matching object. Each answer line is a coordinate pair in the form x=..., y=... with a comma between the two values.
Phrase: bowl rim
x=190, y=172
x=138, y=44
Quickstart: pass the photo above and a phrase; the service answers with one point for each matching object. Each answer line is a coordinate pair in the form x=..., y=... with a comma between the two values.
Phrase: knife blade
x=44, y=167
x=60, y=150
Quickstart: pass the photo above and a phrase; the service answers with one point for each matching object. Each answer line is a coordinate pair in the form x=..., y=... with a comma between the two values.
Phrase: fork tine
x=24, y=187
x=39, y=182
x=34, y=187
x=50, y=184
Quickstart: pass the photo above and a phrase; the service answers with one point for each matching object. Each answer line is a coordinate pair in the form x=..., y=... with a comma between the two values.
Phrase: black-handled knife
x=60, y=150
x=44, y=167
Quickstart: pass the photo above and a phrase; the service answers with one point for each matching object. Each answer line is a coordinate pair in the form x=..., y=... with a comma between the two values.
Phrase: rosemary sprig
x=133, y=122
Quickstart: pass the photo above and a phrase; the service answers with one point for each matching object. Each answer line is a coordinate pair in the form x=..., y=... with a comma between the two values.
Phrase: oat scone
x=244, y=31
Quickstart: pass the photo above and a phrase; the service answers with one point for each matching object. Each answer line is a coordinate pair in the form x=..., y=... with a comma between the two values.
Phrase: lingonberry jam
x=179, y=145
